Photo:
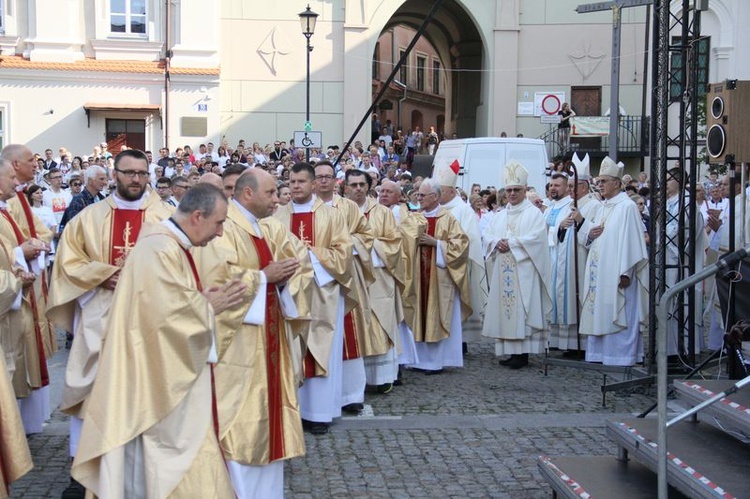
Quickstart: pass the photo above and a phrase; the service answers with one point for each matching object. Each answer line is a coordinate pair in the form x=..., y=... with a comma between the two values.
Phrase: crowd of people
x=220, y=303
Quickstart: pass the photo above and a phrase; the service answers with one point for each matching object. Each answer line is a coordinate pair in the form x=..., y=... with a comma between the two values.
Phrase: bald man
x=32, y=383
x=256, y=383
x=213, y=179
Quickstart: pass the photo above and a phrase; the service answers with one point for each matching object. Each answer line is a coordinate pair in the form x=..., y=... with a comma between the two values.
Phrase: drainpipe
x=167, y=62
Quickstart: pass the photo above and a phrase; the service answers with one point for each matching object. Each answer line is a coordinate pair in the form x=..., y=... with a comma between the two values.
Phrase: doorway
x=129, y=133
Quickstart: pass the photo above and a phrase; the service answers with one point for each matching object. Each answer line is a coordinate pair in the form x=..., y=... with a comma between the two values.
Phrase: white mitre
x=611, y=169
x=447, y=175
x=582, y=166
x=514, y=173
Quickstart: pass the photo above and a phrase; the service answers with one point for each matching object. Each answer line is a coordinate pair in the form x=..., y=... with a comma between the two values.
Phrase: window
x=435, y=77
x=675, y=86
x=2, y=18
x=130, y=133
x=376, y=62
x=128, y=17
x=403, y=72
x=421, y=63
x=2, y=127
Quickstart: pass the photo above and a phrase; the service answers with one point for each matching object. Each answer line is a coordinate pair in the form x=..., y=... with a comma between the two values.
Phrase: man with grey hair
x=142, y=419
x=96, y=180
x=40, y=341
x=518, y=260
x=443, y=301
x=90, y=256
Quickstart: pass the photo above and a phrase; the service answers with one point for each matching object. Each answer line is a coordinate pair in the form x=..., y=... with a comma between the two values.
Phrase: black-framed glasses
x=323, y=177
x=75, y=184
x=133, y=173
x=183, y=186
x=513, y=189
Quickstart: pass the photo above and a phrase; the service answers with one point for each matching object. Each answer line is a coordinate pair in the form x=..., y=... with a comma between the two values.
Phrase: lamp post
x=307, y=20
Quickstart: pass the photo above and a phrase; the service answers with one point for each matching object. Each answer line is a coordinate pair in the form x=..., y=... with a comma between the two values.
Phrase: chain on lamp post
x=307, y=20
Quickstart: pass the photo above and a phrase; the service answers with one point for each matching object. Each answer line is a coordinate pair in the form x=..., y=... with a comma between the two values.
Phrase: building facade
x=76, y=73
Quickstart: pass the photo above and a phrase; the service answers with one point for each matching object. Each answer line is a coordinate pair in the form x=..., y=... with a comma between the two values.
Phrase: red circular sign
x=550, y=101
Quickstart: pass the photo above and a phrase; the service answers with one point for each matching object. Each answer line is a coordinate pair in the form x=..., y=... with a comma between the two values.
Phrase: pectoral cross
x=126, y=247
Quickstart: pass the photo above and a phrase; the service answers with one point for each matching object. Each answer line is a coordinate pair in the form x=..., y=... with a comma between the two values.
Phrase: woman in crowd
x=34, y=195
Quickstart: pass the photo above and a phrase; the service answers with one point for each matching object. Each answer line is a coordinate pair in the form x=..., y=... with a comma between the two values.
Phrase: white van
x=482, y=159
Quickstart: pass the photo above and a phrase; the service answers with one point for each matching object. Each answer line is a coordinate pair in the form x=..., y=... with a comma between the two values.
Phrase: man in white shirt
x=56, y=197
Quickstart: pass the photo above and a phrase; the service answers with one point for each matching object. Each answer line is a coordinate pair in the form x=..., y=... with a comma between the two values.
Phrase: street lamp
x=307, y=20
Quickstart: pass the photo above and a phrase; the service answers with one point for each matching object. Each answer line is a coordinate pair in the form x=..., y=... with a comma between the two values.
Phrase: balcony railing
x=633, y=137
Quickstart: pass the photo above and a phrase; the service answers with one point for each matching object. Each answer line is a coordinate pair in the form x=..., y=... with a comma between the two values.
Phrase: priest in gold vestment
x=255, y=379
x=442, y=301
x=323, y=231
x=410, y=225
x=381, y=365
x=40, y=342
x=15, y=459
x=357, y=345
x=92, y=250
x=149, y=425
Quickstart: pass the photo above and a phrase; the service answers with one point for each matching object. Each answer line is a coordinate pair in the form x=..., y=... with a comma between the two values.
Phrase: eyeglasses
x=75, y=184
x=323, y=177
x=513, y=189
x=183, y=186
x=133, y=173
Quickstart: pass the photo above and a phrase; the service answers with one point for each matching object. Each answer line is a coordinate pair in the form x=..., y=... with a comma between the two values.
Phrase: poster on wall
x=548, y=103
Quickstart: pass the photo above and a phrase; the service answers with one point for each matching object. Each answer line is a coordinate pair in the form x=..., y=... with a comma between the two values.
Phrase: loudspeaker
x=728, y=121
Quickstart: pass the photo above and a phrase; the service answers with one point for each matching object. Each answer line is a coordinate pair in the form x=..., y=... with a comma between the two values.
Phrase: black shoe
x=505, y=362
x=519, y=361
x=74, y=491
x=315, y=428
x=574, y=355
x=385, y=388
x=399, y=377
x=355, y=408
x=464, y=348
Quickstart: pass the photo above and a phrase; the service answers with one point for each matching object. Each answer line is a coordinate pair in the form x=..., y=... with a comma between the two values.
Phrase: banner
x=592, y=126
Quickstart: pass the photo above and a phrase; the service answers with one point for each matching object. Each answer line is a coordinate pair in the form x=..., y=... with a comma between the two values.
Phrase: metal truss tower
x=674, y=134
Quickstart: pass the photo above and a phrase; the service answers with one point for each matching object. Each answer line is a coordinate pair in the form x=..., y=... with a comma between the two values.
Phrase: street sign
x=550, y=118
x=308, y=126
x=308, y=139
x=601, y=6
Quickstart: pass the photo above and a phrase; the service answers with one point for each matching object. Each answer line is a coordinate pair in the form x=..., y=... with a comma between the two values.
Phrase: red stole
x=303, y=226
x=425, y=269
x=35, y=312
x=214, y=406
x=32, y=232
x=126, y=225
x=273, y=356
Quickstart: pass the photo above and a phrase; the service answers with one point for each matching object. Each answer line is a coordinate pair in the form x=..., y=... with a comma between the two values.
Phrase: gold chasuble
x=26, y=340
x=389, y=271
x=92, y=248
x=148, y=428
x=324, y=231
x=437, y=286
x=15, y=459
x=357, y=321
x=411, y=225
x=255, y=379
x=31, y=226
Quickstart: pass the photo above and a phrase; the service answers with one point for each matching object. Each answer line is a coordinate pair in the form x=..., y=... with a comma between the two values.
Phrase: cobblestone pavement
x=471, y=432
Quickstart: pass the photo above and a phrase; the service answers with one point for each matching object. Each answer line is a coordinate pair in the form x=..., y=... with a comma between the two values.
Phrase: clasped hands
x=32, y=247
